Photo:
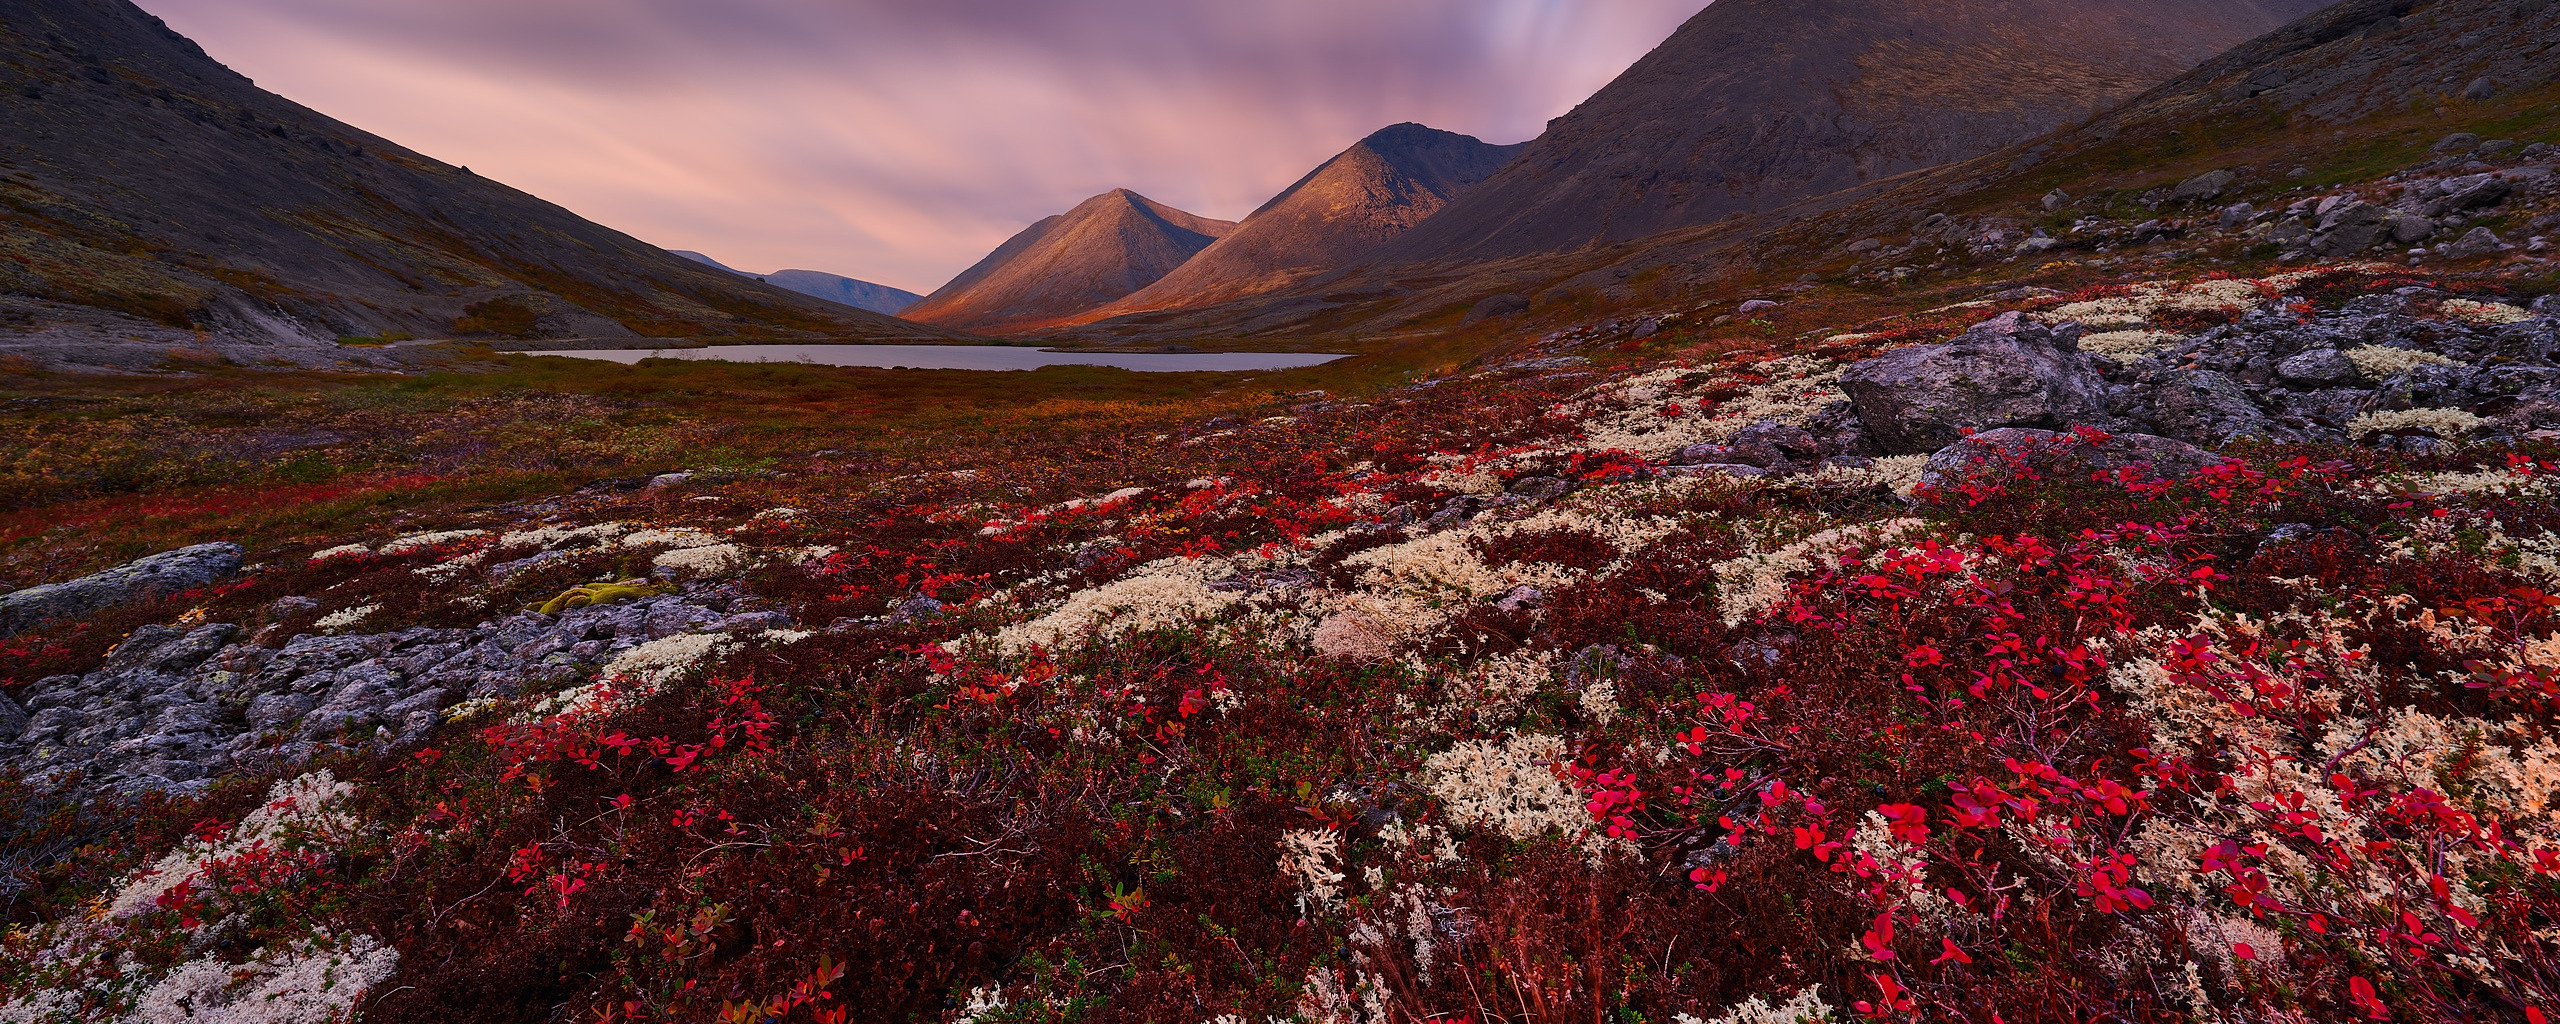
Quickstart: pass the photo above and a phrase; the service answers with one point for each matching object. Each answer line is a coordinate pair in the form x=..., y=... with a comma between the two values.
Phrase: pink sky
x=899, y=140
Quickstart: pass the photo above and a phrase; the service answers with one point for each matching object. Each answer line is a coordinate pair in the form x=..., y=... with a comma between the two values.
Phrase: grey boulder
x=160, y=575
x=2208, y=185
x=2476, y=243
x=2006, y=372
x=2352, y=228
x=2411, y=229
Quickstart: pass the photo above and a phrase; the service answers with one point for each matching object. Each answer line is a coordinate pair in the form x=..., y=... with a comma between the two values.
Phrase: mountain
x=1355, y=202
x=147, y=191
x=878, y=298
x=1755, y=104
x=1106, y=248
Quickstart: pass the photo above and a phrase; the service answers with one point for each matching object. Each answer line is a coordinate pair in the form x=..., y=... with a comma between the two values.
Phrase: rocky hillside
x=1756, y=104
x=147, y=193
x=1339, y=212
x=1106, y=248
x=859, y=294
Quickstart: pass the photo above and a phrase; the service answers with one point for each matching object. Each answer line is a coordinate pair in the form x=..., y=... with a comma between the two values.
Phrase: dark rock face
x=174, y=708
x=1996, y=456
x=2010, y=371
x=161, y=575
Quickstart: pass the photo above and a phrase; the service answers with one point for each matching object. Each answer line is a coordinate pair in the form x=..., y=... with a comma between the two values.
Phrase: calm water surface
x=963, y=357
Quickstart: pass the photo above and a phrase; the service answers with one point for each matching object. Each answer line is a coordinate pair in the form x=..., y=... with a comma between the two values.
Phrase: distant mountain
x=1355, y=202
x=878, y=298
x=1106, y=248
x=148, y=191
x=1756, y=104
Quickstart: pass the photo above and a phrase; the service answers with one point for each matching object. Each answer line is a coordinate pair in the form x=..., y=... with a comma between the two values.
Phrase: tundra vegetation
x=1631, y=668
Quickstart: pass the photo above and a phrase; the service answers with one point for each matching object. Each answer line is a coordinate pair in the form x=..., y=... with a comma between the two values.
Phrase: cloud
x=900, y=140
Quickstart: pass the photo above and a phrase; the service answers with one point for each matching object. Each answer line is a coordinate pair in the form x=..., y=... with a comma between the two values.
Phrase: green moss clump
x=600, y=593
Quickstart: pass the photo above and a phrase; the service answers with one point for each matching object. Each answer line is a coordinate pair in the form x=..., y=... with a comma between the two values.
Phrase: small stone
x=2237, y=214
x=1521, y=599
x=1541, y=488
x=1866, y=245
x=2458, y=142
x=2056, y=200
x=288, y=607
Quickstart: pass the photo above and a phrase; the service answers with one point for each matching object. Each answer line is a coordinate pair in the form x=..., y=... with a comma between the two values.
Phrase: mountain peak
x=1370, y=193
x=1101, y=250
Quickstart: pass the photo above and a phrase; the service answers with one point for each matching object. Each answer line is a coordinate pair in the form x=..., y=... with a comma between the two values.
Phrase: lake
x=962, y=357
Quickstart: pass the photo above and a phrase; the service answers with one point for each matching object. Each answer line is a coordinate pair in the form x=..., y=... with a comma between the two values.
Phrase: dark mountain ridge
x=1756, y=104
x=147, y=192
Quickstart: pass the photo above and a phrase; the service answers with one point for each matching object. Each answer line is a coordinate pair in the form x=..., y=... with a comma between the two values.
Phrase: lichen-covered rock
x=2006, y=372
x=161, y=575
x=174, y=708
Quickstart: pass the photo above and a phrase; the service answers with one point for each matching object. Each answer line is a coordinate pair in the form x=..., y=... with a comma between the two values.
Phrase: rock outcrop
x=174, y=708
x=2007, y=372
x=161, y=575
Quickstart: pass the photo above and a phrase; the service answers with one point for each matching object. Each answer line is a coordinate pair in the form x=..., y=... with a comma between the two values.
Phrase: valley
x=2078, y=543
